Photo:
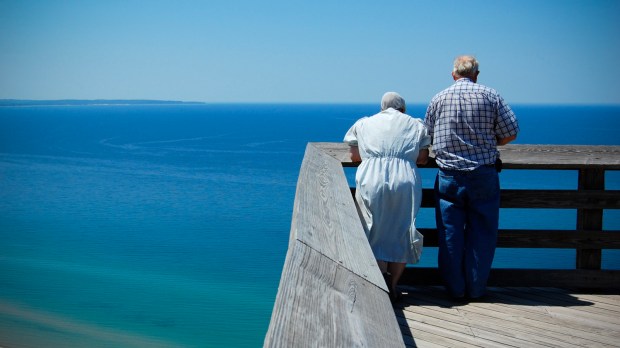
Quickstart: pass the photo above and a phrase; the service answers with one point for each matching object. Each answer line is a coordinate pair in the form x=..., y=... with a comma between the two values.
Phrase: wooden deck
x=509, y=317
x=332, y=294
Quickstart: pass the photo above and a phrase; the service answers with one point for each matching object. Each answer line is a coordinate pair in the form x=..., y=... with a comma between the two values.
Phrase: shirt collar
x=464, y=79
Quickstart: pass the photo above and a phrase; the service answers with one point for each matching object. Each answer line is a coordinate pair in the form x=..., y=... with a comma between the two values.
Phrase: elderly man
x=467, y=121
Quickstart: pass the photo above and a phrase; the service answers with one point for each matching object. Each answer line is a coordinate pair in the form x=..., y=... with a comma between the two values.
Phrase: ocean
x=167, y=225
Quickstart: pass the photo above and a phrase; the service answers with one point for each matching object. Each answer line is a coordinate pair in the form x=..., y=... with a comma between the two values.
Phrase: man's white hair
x=465, y=66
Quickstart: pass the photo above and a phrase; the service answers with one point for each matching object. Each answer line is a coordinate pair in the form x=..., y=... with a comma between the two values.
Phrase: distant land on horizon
x=94, y=102
x=81, y=102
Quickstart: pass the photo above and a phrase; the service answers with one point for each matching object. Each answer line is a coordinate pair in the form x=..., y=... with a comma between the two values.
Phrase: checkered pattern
x=465, y=121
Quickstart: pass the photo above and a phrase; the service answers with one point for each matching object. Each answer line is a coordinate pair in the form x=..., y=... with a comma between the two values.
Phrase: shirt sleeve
x=429, y=119
x=425, y=138
x=351, y=136
x=507, y=124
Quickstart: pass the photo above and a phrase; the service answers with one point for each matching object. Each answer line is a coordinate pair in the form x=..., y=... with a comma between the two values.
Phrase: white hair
x=393, y=100
x=465, y=66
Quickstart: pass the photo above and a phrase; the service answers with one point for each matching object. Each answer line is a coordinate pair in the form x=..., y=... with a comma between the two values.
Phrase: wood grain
x=517, y=156
x=331, y=291
x=510, y=317
x=332, y=294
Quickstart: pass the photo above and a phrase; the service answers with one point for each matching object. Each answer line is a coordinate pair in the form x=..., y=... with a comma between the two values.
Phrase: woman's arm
x=354, y=154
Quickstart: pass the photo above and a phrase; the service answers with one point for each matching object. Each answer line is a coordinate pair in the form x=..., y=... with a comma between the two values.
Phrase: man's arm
x=422, y=157
x=504, y=141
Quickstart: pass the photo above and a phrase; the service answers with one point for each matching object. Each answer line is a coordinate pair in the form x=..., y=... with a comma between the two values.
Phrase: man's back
x=466, y=119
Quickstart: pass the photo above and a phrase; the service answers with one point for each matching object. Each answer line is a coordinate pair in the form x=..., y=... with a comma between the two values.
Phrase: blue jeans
x=467, y=214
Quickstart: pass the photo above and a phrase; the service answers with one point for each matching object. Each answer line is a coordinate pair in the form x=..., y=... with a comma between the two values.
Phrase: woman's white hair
x=465, y=66
x=393, y=100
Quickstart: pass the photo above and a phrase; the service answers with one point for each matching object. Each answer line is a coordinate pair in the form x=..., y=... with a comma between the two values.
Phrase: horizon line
x=101, y=102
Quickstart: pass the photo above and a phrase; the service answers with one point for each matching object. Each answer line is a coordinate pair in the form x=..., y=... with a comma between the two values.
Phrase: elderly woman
x=389, y=145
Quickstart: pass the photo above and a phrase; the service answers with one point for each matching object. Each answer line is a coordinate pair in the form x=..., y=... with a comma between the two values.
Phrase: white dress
x=389, y=187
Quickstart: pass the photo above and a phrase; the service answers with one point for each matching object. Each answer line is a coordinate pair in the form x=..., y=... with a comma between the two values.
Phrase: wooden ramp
x=509, y=317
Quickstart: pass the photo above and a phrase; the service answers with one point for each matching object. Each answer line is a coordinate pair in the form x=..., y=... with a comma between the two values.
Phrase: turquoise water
x=167, y=225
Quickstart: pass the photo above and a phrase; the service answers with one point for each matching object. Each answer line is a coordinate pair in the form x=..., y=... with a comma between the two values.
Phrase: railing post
x=590, y=219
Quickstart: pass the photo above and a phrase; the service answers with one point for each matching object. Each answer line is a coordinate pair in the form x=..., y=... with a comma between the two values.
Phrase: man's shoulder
x=444, y=93
x=485, y=88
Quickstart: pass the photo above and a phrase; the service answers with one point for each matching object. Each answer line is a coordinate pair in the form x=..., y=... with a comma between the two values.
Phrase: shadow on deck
x=510, y=317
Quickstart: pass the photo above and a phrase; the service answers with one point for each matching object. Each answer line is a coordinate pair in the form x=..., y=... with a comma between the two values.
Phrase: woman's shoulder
x=411, y=119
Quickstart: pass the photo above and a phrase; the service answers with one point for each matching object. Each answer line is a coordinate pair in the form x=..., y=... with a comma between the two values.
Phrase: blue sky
x=307, y=51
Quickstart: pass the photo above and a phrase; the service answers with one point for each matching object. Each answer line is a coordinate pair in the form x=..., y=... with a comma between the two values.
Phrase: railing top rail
x=520, y=156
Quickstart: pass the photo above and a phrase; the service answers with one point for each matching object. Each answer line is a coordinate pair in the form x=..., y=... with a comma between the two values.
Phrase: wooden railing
x=590, y=199
x=331, y=292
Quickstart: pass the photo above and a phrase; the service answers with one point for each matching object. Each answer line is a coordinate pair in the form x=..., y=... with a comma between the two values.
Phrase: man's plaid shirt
x=465, y=121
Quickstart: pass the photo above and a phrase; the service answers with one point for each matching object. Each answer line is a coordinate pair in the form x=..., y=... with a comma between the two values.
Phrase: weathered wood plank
x=567, y=239
x=322, y=304
x=443, y=332
x=560, y=156
x=514, y=310
x=509, y=319
x=563, y=278
x=515, y=317
x=339, y=151
x=545, y=199
x=518, y=156
x=325, y=216
x=331, y=291
x=586, y=319
x=590, y=218
x=606, y=301
x=460, y=331
x=567, y=278
x=560, y=199
x=605, y=313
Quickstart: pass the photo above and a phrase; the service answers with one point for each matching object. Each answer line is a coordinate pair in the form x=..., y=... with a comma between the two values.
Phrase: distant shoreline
x=79, y=102
x=128, y=102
